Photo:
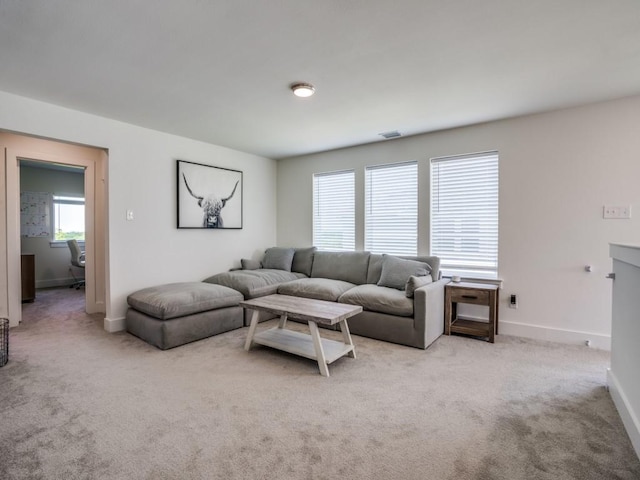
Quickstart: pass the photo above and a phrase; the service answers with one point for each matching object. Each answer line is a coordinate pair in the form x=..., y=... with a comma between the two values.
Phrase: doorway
x=52, y=211
x=22, y=148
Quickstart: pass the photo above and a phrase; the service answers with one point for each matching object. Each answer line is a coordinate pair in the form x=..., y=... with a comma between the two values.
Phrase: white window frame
x=464, y=214
x=334, y=210
x=64, y=199
x=391, y=208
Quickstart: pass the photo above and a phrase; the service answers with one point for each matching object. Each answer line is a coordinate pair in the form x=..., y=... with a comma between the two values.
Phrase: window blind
x=464, y=214
x=334, y=211
x=391, y=209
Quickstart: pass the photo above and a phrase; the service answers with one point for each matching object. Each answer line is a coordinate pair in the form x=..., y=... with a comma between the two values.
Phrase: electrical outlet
x=616, y=212
x=610, y=212
x=513, y=301
x=129, y=215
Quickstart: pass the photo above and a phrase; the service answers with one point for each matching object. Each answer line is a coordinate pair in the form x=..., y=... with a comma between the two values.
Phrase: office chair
x=77, y=260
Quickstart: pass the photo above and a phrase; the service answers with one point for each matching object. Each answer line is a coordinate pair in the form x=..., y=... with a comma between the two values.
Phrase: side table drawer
x=470, y=295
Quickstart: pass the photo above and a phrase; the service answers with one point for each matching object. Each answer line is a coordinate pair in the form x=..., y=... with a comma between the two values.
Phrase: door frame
x=95, y=206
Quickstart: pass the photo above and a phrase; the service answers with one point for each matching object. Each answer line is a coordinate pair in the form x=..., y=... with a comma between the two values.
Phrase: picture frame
x=208, y=197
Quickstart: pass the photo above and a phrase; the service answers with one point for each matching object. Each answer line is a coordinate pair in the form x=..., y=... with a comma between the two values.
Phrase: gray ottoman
x=177, y=313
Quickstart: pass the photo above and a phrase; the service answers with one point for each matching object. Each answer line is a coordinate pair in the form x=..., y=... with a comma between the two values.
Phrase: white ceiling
x=219, y=71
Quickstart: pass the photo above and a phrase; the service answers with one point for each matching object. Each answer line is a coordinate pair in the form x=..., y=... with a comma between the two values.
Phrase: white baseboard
x=572, y=337
x=113, y=325
x=625, y=409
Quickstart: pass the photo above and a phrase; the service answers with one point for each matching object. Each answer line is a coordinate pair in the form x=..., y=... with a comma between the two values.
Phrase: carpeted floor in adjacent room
x=79, y=403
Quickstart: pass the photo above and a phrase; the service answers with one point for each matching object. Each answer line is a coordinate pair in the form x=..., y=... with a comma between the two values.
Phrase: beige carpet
x=79, y=403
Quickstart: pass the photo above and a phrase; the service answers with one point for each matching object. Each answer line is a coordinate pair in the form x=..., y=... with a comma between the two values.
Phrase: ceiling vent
x=393, y=134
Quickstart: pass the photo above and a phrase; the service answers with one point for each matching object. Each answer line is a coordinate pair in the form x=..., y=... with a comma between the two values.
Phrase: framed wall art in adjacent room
x=208, y=196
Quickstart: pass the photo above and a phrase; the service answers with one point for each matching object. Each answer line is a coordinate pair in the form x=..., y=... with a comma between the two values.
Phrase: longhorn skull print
x=211, y=206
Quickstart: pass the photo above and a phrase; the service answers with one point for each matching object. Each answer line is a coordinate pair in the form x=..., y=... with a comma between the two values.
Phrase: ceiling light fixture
x=303, y=89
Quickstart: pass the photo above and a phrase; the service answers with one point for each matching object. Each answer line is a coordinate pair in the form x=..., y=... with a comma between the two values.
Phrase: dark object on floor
x=4, y=341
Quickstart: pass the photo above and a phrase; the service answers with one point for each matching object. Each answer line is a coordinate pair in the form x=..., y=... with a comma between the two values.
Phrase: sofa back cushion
x=375, y=266
x=278, y=258
x=347, y=266
x=303, y=260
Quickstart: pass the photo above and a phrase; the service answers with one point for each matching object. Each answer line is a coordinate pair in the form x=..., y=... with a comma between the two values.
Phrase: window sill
x=63, y=244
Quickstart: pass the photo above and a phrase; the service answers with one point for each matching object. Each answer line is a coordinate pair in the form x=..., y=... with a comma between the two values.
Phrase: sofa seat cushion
x=175, y=300
x=254, y=283
x=318, y=288
x=379, y=299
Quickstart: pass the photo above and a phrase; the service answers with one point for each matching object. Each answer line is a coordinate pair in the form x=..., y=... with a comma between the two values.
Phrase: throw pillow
x=416, y=282
x=249, y=264
x=396, y=271
x=278, y=258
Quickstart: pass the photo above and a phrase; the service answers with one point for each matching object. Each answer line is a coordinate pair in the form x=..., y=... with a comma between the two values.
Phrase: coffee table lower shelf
x=301, y=344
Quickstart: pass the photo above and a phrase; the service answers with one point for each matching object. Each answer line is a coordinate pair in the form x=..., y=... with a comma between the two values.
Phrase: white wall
x=557, y=170
x=150, y=250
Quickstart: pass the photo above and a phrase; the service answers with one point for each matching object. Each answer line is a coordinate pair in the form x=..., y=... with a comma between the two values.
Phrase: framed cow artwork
x=208, y=196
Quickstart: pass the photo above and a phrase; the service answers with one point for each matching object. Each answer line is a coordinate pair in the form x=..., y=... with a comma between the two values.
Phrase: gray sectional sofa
x=402, y=297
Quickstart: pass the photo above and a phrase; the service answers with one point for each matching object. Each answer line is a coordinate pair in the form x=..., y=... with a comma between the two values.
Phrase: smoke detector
x=392, y=134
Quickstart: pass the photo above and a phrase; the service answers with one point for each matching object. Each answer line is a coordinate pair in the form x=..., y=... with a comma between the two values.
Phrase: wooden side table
x=476, y=294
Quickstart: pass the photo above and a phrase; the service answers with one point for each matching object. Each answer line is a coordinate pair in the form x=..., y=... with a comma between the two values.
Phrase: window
x=464, y=214
x=391, y=209
x=68, y=218
x=334, y=211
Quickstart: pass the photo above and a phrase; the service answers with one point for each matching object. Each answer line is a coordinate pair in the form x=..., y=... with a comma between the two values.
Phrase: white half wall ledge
x=570, y=337
x=113, y=325
x=628, y=416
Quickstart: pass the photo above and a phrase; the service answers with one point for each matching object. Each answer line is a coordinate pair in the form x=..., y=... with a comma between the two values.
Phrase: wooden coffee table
x=323, y=350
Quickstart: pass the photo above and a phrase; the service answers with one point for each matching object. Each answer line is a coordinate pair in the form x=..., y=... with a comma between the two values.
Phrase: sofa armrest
x=428, y=310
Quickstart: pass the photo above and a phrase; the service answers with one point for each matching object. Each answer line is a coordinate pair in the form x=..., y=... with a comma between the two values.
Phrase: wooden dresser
x=28, y=274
